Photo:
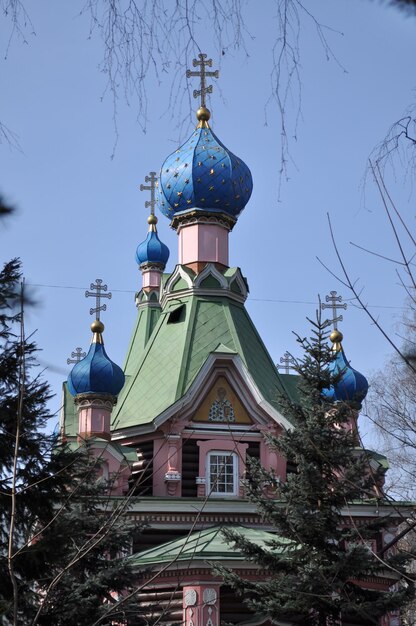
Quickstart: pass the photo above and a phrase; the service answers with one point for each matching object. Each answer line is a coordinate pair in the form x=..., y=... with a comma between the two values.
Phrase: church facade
x=197, y=396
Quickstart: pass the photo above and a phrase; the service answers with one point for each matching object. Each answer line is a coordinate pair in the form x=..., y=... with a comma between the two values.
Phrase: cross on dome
x=98, y=294
x=287, y=362
x=77, y=355
x=152, y=179
x=334, y=303
x=203, y=177
x=202, y=74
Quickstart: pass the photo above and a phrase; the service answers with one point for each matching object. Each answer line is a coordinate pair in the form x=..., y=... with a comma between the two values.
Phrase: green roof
x=380, y=458
x=70, y=412
x=146, y=322
x=129, y=454
x=206, y=545
x=161, y=372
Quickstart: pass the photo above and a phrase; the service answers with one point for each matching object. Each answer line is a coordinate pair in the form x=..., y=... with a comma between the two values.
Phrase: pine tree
x=316, y=566
x=61, y=537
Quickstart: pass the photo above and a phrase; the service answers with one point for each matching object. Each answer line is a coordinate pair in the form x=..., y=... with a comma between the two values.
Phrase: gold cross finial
x=334, y=304
x=98, y=294
x=152, y=179
x=203, y=113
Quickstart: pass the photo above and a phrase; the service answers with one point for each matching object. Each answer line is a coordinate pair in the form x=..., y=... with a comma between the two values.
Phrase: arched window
x=222, y=473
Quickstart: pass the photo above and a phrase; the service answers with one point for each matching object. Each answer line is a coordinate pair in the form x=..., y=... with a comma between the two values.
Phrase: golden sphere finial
x=203, y=114
x=97, y=326
x=336, y=336
x=152, y=219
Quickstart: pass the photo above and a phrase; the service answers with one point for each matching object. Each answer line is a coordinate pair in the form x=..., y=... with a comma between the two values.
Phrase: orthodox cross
x=98, y=294
x=202, y=74
x=77, y=355
x=334, y=304
x=152, y=179
x=287, y=362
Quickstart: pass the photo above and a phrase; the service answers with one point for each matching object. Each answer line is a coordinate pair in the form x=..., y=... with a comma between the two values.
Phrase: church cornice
x=199, y=216
x=231, y=284
x=222, y=510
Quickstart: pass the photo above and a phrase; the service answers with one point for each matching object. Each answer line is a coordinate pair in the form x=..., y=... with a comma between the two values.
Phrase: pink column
x=201, y=604
x=173, y=475
x=167, y=465
x=203, y=242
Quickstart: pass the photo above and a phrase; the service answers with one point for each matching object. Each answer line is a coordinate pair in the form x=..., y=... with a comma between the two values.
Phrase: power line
x=73, y=287
x=272, y=300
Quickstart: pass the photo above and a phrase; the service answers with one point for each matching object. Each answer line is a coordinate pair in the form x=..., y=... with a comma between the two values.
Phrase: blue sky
x=81, y=214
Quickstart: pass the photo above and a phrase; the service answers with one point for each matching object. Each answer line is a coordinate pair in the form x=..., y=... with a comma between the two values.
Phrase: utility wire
x=272, y=300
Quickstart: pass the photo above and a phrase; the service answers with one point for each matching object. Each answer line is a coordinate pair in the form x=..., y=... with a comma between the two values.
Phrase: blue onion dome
x=204, y=175
x=351, y=386
x=152, y=250
x=96, y=373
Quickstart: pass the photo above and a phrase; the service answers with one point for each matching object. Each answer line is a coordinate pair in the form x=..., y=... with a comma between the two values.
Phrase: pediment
x=226, y=371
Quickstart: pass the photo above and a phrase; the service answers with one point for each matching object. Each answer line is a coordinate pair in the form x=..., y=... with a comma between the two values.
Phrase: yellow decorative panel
x=222, y=405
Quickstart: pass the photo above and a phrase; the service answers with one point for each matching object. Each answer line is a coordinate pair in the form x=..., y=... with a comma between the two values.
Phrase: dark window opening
x=178, y=315
x=253, y=452
x=190, y=468
x=142, y=479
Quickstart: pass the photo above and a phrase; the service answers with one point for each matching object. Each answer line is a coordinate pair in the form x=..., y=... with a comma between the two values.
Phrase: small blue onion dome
x=96, y=373
x=152, y=250
x=351, y=385
x=204, y=175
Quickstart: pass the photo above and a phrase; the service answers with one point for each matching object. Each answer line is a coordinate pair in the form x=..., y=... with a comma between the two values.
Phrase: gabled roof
x=190, y=328
x=204, y=545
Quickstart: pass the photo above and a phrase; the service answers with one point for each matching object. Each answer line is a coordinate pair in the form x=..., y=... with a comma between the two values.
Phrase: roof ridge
x=223, y=348
x=185, y=354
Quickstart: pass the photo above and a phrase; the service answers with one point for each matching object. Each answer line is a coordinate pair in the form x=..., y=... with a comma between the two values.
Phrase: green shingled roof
x=206, y=545
x=169, y=347
x=161, y=373
x=146, y=322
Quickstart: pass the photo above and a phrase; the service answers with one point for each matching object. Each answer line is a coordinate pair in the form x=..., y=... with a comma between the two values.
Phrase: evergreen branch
x=22, y=381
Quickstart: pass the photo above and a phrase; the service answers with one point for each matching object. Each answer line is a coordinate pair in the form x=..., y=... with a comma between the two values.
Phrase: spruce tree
x=317, y=564
x=62, y=539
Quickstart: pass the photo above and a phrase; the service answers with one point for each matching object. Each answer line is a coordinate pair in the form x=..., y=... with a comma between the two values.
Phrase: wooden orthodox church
x=197, y=394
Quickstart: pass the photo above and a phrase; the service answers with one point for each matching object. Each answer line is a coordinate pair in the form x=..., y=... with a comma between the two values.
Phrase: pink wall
x=112, y=470
x=94, y=420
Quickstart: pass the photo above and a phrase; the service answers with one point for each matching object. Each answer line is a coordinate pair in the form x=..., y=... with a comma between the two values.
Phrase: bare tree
x=145, y=41
x=391, y=403
x=391, y=406
x=398, y=147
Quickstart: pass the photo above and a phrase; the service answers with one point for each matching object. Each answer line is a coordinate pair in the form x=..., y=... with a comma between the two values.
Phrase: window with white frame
x=222, y=473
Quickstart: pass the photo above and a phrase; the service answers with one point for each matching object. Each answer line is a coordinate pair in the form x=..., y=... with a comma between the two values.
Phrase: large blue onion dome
x=152, y=250
x=351, y=385
x=96, y=373
x=204, y=175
